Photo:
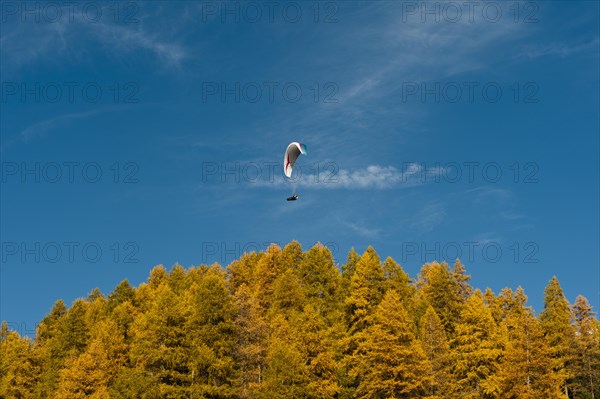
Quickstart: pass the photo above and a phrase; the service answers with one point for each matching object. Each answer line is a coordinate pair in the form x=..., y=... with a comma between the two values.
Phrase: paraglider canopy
x=292, y=153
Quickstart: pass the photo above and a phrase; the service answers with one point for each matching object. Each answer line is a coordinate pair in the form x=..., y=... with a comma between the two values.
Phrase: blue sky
x=153, y=133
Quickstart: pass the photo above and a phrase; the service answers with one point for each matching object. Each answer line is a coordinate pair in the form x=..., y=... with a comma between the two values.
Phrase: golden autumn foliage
x=289, y=323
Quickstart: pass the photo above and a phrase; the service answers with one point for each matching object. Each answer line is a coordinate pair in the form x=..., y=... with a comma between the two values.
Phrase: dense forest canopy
x=287, y=323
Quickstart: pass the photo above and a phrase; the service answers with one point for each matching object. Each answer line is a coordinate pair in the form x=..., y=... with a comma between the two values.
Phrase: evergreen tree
x=476, y=352
x=123, y=292
x=19, y=369
x=524, y=372
x=320, y=279
x=316, y=344
x=556, y=324
x=211, y=336
x=286, y=375
x=178, y=279
x=366, y=290
x=348, y=271
x=399, y=281
x=436, y=349
x=586, y=365
x=91, y=374
x=158, y=275
x=292, y=255
x=268, y=268
x=441, y=288
x=251, y=336
x=242, y=271
x=287, y=295
x=159, y=347
x=460, y=277
x=390, y=362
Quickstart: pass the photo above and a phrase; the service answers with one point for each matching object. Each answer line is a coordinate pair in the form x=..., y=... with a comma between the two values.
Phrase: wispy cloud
x=486, y=194
x=362, y=230
x=560, y=49
x=40, y=129
x=70, y=40
x=428, y=217
x=328, y=176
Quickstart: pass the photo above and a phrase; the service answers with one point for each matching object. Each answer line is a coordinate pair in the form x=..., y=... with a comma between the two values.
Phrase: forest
x=288, y=323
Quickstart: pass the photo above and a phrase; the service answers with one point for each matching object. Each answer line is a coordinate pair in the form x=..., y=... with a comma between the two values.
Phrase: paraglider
x=292, y=152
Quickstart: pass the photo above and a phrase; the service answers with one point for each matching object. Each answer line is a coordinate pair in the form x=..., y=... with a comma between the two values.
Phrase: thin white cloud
x=40, y=129
x=374, y=177
x=428, y=217
x=561, y=49
x=486, y=194
x=75, y=39
x=362, y=230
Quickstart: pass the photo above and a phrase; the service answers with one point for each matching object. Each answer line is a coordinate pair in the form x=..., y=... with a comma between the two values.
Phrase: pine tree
x=320, y=279
x=124, y=315
x=366, y=290
x=292, y=255
x=251, y=335
x=287, y=295
x=436, y=349
x=460, y=277
x=586, y=365
x=19, y=369
x=524, y=372
x=556, y=324
x=122, y=292
x=158, y=275
x=268, y=268
x=159, y=349
x=441, y=288
x=286, y=375
x=242, y=271
x=316, y=344
x=211, y=337
x=348, y=271
x=399, y=281
x=92, y=373
x=390, y=362
x=178, y=279
x=476, y=352
x=48, y=351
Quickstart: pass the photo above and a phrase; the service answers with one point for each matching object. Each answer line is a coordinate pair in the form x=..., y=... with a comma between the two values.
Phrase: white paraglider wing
x=292, y=153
